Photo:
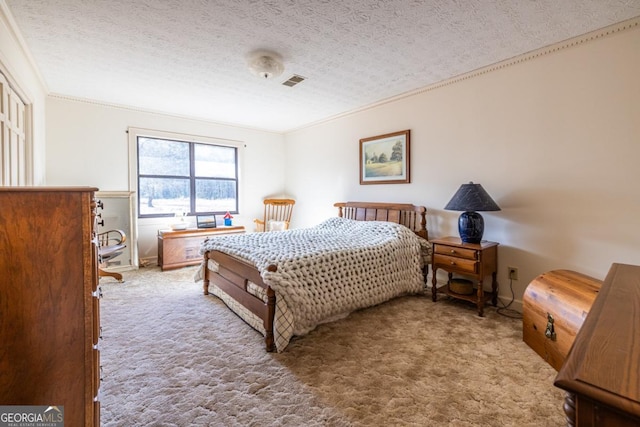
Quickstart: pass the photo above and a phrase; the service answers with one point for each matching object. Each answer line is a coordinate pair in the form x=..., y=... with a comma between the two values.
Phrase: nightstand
x=471, y=260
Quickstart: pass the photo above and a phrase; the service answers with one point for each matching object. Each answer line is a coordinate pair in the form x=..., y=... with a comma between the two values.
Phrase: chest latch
x=550, y=332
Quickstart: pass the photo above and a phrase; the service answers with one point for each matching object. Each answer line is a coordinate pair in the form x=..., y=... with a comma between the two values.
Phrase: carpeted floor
x=174, y=357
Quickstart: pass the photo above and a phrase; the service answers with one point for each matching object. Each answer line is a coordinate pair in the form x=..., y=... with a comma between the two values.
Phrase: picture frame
x=385, y=159
x=206, y=221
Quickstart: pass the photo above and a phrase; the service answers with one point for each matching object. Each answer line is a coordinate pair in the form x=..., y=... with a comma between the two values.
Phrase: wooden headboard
x=411, y=216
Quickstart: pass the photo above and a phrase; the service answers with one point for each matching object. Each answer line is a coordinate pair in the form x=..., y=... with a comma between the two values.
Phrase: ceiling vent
x=294, y=80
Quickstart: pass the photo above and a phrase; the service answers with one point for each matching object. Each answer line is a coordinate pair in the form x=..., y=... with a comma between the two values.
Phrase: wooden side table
x=179, y=248
x=472, y=260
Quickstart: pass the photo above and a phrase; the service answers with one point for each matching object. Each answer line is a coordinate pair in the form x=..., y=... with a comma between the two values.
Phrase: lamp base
x=471, y=227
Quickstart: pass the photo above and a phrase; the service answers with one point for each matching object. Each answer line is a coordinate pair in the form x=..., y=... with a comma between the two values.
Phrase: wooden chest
x=555, y=305
x=179, y=248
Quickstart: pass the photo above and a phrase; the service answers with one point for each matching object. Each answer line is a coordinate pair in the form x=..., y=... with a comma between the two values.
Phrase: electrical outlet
x=513, y=273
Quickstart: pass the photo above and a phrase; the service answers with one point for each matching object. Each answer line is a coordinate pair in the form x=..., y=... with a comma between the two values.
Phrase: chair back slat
x=276, y=210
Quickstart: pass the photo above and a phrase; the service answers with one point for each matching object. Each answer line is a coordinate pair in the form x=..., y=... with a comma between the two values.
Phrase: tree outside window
x=186, y=178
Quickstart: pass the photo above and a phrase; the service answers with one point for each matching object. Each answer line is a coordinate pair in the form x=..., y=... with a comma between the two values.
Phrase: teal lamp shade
x=471, y=198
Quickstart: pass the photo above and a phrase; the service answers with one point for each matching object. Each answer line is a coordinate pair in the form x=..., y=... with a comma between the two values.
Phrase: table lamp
x=471, y=198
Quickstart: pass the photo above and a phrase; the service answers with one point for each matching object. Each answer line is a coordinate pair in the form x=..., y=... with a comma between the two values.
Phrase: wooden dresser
x=49, y=301
x=602, y=371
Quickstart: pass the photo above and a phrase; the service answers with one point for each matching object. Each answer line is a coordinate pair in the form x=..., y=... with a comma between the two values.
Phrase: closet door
x=13, y=153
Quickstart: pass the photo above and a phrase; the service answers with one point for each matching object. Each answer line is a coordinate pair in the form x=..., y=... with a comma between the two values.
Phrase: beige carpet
x=174, y=357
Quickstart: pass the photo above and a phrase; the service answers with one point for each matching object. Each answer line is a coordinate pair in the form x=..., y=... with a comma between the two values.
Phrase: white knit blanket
x=330, y=270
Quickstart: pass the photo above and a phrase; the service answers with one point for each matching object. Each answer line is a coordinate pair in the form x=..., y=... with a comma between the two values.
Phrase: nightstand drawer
x=455, y=251
x=453, y=263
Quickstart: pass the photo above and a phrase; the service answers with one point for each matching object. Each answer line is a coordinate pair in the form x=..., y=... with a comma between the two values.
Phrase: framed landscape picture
x=384, y=159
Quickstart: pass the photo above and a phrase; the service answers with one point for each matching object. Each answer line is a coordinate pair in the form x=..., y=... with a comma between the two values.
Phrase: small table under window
x=180, y=248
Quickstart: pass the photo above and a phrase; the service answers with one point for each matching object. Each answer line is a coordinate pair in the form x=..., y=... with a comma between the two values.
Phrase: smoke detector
x=266, y=64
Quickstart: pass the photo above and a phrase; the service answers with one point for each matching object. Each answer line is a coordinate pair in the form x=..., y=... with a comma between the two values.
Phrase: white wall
x=16, y=64
x=555, y=140
x=87, y=144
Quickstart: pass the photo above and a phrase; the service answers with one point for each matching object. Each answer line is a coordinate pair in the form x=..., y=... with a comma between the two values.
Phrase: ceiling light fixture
x=266, y=64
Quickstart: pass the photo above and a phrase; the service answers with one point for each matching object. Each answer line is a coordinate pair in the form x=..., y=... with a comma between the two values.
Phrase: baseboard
x=503, y=300
x=118, y=268
x=148, y=262
x=516, y=304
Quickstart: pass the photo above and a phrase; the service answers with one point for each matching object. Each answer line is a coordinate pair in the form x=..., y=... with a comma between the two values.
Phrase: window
x=178, y=177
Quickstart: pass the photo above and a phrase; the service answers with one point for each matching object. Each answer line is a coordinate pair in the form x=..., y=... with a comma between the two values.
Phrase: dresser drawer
x=455, y=252
x=95, y=319
x=96, y=372
x=455, y=264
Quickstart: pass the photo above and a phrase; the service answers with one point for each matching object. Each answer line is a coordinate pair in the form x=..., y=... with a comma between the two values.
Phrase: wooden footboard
x=232, y=277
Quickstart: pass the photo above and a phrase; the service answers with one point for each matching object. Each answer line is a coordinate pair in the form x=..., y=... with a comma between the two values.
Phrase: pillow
x=277, y=225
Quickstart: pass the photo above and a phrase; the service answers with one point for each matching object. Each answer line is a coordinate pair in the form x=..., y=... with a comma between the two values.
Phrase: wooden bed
x=234, y=276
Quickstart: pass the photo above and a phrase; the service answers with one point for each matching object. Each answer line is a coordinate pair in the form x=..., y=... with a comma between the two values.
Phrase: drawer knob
x=453, y=251
x=452, y=263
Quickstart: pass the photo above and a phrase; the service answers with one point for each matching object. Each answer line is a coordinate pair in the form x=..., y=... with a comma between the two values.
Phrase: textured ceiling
x=189, y=57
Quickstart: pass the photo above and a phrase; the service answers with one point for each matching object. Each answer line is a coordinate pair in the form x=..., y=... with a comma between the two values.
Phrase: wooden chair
x=277, y=215
x=110, y=245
